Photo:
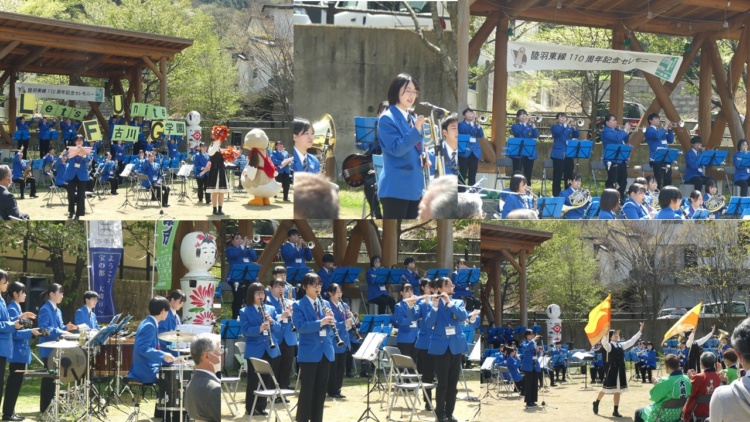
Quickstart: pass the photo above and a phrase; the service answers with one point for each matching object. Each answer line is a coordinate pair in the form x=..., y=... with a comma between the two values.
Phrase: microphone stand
x=544, y=405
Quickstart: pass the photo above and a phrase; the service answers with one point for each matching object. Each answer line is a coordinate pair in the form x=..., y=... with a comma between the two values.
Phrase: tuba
x=324, y=132
x=715, y=203
x=577, y=199
x=723, y=334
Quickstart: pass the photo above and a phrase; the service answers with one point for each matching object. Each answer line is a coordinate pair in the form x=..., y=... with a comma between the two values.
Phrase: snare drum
x=171, y=386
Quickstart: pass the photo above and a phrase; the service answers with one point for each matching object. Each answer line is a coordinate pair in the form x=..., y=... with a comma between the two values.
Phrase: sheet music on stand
x=583, y=355
x=127, y=170
x=487, y=364
x=370, y=346
x=186, y=170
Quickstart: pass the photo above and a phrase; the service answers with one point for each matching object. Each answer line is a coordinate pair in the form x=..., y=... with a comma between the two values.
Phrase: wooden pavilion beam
x=500, y=94
x=152, y=67
x=705, y=91
x=29, y=59
x=655, y=106
x=444, y=243
x=484, y=31
x=8, y=48
x=92, y=63
x=662, y=96
x=733, y=6
x=370, y=238
x=725, y=92
x=340, y=241
x=657, y=8
x=390, y=243
x=351, y=253
x=617, y=78
x=163, y=82
x=265, y=260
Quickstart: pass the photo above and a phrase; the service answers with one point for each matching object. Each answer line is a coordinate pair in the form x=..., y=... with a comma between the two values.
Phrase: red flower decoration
x=203, y=296
x=204, y=318
x=219, y=133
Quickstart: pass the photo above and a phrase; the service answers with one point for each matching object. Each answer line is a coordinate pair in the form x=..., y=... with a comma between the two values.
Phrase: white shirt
x=302, y=156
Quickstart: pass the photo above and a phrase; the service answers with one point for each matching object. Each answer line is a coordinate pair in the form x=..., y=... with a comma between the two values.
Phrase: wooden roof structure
x=706, y=21
x=47, y=46
x=512, y=244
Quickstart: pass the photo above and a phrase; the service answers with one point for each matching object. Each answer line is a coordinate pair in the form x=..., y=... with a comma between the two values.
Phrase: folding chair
x=597, y=166
x=54, y=190
x=144, y=193
x=229, y=394
x=702, y=399
x=674, y=405
x=405, y=386
x=506, y=384
x=502, y=162
x=261, y=368
x=371, y=308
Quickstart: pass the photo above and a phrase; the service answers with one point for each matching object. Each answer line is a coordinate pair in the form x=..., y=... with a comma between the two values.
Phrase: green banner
x=139, y=110
x=158, y=113
x=175, y=127
x=165, y=234
x=125, y=133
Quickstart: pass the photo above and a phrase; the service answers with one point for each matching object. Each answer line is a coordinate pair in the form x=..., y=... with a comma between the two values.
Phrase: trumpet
x=580, y=122
x=309, y=245
x=339, y=342
x=256, y=239
x=482, y=119
x=538, y=118
x=264, y=315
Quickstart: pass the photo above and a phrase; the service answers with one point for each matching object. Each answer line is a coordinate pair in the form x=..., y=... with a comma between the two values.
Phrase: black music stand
x=712, y=158
x=617, y=153
x=738, y=205
x=579, y=149
x=345, y=275
x=521, y=147
x=550, y=207
x=294, y=275
x=665, y=156
x=434, y=273
x=244, y=272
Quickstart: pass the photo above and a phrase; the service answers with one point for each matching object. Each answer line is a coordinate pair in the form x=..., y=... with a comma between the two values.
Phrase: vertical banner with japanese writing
x=105, y=251
x=524, y=56
x=165, y=233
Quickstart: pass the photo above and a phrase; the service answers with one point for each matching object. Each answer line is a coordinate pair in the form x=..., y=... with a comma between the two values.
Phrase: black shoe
x=32, y=196
x=349, y=375
x=339, y=396
x=451, y=418
x=260, y=413
x=77, y=217
x=220, y=213
x=13, y=417
x=165, y=206
x=281, y=400
x=616, y=414
x=70, y=215
x=596, y=407
x=427, y=407
x=531, y=405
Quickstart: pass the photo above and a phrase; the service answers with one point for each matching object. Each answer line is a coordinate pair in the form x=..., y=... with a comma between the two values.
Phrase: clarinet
x=339, y=342
x=264, y=315
x=284, y=302
x=354, y=324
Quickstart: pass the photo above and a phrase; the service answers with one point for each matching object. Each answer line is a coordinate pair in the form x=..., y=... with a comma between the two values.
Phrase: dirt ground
x=107, y=206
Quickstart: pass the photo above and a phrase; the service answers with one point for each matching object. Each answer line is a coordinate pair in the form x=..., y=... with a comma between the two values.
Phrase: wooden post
x=245, y=228
x=617, y=80
x=500, y=90
x=370, y=237
x=493, y=283
x=746, y=41
x=12, y=103
x=265, y=260
x=444, y=256
x=351, y=254
x=339, y=241
x=725, y=92
x=163, y=81
x=390, y=243
x=137, y=82
x=705, y=90
x=522, y=289
x=463, y=54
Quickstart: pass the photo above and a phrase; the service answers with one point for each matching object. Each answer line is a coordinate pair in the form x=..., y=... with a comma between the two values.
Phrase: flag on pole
x=599, y=320
x=688, y=322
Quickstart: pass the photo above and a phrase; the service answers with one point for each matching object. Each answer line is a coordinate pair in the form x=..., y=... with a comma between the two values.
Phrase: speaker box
x=35, y=286
x=237, y=139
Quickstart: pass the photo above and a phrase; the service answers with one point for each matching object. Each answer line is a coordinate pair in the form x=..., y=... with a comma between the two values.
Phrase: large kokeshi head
x=198, y=251
x=553, y=311
x=193, y=118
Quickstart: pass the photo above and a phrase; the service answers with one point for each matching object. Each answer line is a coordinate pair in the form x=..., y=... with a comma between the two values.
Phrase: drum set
x=173, y=379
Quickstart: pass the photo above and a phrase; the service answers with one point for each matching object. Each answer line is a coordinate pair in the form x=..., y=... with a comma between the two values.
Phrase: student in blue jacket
x=525, y=128
x=258, y=323
x=313, y=318
x=288, y=338
x=425, y=361
x=657, y=137
x=19, y=166
x=468, y=161
x=176, y=301
x=617, y=168
x=574, y=183
x=516, y=198
x=633, y=208
x=694, y=173
x=530, y=368
x=400, y=136
x=77, y=177
x=44, y=126
x=107, y=171
x=403, y=319
x=343, y=318
x=649, y=362
x=22, y=134
x=377, y=293
x=559, y=362
x=50, y=318
x=283, y=163
x=21, y=350
x=741, y=173
x=447, y=345
x=85, y=314
x=59, y=166
x=200, y=171
x=514, y=364
x=562, y=166
x=609, y=204
x=670, y=199
x=303, y=135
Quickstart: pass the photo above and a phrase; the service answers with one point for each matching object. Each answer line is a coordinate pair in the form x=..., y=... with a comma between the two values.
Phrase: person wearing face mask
x=203, y=392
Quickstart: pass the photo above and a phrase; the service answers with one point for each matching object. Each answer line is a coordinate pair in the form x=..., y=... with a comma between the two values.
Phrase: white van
x=731, y=309
x=371, y=18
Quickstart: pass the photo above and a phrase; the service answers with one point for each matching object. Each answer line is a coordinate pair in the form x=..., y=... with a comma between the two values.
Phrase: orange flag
x=599, y=320
x=688, y=322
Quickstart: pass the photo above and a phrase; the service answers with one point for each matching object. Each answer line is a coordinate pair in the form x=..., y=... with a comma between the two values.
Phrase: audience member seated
x=704, y=383
x=732, y=402
x=675, y=386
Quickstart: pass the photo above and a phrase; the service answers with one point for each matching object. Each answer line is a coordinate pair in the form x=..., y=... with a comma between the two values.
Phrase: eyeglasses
x=411, y=92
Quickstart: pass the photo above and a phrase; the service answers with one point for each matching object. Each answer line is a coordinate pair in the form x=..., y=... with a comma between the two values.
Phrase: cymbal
x=176, y=336
x=59, y=344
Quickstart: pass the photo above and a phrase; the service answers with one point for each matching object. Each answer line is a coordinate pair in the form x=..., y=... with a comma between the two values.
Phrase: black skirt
x=217, y=176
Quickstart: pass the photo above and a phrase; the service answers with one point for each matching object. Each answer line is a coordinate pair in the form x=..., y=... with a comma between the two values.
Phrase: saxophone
x=27, y=172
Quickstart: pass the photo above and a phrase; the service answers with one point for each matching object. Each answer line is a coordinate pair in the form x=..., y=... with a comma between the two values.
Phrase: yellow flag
x=599, y=320
x=688, y=322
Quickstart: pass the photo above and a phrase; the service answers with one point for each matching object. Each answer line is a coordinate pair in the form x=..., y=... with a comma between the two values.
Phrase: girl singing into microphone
x=400, y=135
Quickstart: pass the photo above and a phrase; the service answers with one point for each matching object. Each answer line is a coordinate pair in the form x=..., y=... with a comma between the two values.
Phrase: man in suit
x=147, y=358
x=313, y=318
x=203, y=392
x=447, y=346
x=8, y=205
x=85, y=314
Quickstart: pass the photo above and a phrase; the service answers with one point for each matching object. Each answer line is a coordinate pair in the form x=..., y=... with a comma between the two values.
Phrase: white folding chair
x=261, y=368
x=507, y=384
x=408, y=386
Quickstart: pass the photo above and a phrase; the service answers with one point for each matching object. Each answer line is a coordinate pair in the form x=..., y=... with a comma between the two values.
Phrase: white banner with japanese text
x=62, y=92
x=523, y=56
